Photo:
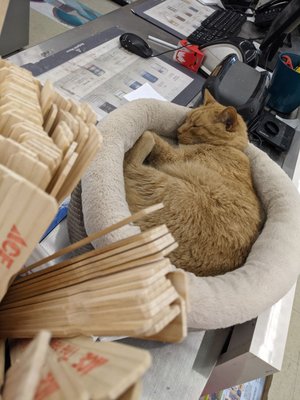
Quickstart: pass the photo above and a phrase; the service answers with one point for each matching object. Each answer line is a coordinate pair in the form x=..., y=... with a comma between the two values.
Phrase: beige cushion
x=274, y=261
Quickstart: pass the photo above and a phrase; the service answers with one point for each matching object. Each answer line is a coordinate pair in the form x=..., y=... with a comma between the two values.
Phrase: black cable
x=266, y=55
x=256, y=38
x=190, y=44
x=169, y=51
x=121, y=2
x=230, y=8
x=255, y=139
x=243, y=13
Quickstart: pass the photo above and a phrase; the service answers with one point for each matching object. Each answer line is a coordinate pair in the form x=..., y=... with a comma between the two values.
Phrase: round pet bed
x=273, y=264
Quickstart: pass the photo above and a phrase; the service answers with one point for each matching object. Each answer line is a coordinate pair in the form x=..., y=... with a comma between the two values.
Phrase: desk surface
x=124, y=19
x=196, y=357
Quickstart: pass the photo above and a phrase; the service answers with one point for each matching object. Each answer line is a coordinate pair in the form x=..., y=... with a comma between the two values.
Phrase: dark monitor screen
x=284, y=23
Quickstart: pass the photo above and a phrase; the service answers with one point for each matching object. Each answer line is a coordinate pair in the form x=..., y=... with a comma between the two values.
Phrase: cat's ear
x=229, y=118
x=208, y=98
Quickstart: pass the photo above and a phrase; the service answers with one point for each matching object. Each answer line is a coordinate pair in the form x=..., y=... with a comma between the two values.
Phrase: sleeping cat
x=210, y=205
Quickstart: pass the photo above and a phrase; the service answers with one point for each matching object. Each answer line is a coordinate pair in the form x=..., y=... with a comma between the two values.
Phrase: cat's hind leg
x=140, y=151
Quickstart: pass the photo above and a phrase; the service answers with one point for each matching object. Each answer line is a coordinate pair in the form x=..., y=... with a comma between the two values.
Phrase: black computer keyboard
x=220, y=24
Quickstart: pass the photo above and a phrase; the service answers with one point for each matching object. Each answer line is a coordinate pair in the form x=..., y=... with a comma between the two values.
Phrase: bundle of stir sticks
x=126, y=288
x=72, y=369
x=44, y=137
x=46, y=143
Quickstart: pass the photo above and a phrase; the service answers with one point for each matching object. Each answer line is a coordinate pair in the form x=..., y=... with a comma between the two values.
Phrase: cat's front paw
x=148, y=140
x=160, y=150
x=141, y=149
x=146, y=144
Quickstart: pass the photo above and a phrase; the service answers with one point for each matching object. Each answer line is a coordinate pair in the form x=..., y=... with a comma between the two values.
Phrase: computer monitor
x=283, y=24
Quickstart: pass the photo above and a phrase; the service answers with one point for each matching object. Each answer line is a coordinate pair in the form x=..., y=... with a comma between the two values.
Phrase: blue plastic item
x=284, y=89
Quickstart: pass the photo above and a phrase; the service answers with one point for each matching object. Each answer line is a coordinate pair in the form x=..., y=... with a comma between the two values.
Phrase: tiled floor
x=43, y=28
x=285, y=384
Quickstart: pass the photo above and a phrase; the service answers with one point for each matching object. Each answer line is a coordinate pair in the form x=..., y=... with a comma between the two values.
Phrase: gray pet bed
x=273, y=264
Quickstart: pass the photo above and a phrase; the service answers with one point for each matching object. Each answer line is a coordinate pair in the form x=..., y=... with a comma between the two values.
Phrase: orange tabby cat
x=210, y=205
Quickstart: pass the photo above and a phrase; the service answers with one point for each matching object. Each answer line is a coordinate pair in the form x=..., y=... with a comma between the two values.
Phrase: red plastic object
x=287, y=60
x=190, y=56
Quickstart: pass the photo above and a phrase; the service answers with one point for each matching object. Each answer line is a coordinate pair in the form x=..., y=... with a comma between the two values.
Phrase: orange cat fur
x=210, y=205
